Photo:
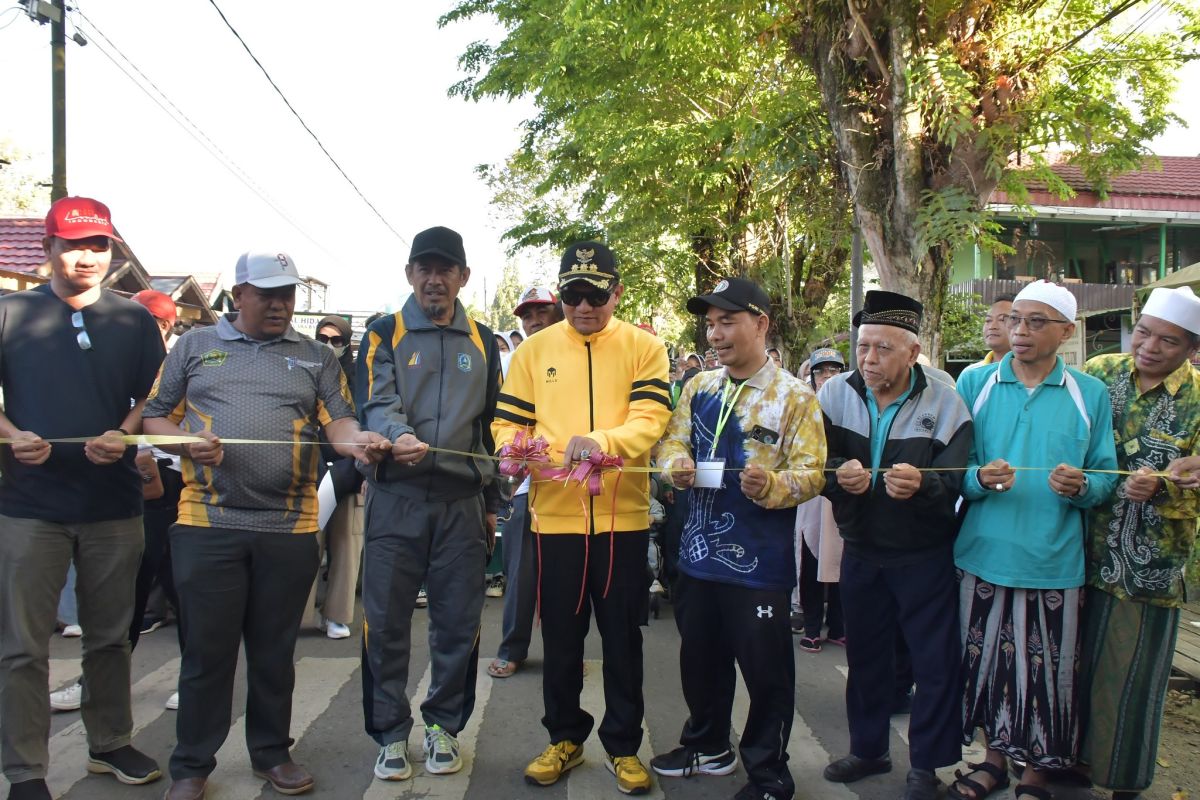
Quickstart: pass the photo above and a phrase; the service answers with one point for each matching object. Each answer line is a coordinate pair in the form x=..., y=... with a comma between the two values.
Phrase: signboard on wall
x=1074, y=350
x=306, y=323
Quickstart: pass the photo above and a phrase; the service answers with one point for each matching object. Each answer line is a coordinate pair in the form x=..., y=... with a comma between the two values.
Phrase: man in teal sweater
x=1020, y=550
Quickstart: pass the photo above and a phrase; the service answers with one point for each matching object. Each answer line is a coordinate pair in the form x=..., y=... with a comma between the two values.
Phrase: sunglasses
x=336, y=341
x=81, y=338
x=595, y=297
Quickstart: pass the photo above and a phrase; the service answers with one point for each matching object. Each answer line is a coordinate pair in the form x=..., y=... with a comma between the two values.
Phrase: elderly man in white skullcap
x=1020, y=550
x=1139, y=541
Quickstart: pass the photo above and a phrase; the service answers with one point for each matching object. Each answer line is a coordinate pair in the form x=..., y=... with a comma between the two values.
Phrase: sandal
x=978, y=790
x=809, y=644
x=1029, y=790
x=499, y=668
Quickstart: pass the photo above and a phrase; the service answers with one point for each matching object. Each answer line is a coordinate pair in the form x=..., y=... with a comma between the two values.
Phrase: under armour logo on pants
x=766, y=612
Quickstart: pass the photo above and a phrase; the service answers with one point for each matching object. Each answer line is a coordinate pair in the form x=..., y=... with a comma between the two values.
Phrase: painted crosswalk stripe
x=439, y=787
x=318, y=680
x=591, y=779
x=68, y=748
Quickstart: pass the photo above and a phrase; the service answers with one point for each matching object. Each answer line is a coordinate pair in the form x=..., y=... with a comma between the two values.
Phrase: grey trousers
x=520, y=593
x=410, y=543
x=34, y=556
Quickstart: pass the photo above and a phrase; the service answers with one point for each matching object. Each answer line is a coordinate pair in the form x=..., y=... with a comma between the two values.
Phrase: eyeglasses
x=336, y=341
x=595, y=297
x=1035, y=323
x=81, y=338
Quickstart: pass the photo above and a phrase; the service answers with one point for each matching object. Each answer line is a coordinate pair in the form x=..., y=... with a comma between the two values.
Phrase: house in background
x=1102, y=248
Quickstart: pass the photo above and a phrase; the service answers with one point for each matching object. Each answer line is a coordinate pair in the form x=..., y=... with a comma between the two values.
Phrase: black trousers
x=720, y=624
x=234, y=587
x=619, y=618
x=813, y=597
x=919, y=600
x=155, y=569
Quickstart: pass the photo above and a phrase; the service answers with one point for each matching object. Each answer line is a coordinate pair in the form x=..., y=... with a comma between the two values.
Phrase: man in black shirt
x=75, y=362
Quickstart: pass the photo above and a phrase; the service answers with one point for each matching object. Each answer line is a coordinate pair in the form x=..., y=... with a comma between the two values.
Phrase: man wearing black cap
x=885, y=422
x=428, y=377
x=594, y=388
x=747, y=440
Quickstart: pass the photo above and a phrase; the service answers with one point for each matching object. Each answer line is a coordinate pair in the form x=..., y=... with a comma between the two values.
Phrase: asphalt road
x=503, y=735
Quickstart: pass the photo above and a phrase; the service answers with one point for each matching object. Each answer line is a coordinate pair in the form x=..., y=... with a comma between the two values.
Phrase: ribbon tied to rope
x=589, y=471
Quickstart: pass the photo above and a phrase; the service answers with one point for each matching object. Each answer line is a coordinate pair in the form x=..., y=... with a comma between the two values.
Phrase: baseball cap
x=160, y=305
x=589, y=261
x=79, y=218
x=732, y=294
x=534, y=296
x=826, y=355
x=266, y=270
x=439, y=241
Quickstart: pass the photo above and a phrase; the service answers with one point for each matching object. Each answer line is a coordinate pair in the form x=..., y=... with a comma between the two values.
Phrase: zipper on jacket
x=437, y=428
x=591, y=427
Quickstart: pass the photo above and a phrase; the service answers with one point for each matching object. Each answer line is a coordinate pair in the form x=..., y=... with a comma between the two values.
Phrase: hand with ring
x=580, y=448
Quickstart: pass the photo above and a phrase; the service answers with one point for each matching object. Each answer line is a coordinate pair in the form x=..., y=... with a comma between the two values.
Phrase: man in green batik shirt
x=1139, y=543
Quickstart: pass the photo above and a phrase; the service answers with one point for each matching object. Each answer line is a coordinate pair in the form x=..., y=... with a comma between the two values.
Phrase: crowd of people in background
x=1001, y=556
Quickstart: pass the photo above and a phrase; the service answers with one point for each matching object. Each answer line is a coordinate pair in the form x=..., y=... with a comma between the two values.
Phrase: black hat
x=439, y=241
x=732, y=294
x=589, y=261
x=889, y=308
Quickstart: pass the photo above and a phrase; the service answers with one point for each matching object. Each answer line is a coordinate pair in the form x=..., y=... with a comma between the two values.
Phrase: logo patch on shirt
x=551, y=375
x=927, y=422
x=464, y=362
x=213, y=358
x=415, y=359
x=294, y=362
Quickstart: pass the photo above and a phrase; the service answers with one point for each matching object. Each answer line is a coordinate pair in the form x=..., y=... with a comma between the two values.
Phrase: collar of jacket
x=600, y=335
x=1057, y=376
x=415, y=319
x=760, y=380
x=859, y=385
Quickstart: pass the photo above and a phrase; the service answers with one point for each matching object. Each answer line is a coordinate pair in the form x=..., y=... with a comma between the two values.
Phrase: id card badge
x=709, y=474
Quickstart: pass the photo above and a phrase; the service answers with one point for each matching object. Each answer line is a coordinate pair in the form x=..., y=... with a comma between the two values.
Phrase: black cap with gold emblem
x=889, y=308
x=589, y=261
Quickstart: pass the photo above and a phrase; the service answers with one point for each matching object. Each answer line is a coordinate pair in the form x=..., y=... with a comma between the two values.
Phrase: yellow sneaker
x=632, y=777
x=553, y=762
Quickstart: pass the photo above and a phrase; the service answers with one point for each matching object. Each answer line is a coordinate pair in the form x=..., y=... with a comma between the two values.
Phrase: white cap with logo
x=266, y=270
x=1179, y=306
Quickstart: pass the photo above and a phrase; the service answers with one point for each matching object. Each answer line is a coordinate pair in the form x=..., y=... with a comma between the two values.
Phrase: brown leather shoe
x=186, y=789
x=287, y=778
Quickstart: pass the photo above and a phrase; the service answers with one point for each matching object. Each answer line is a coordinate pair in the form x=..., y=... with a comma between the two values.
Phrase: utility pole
x=58, y=88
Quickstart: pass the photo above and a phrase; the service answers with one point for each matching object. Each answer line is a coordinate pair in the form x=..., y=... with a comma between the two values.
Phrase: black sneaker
x=29, y=790
x=921, y=785
x=752, y=792
x=797, y=620
x=151, y=623
x=852, y=768
x=126, y=765
x=684, y=762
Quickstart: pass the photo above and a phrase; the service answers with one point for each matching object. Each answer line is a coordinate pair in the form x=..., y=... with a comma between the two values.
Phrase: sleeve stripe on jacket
x=666, y=401
x=516, y=402
x=666, y=387
x=516, y=419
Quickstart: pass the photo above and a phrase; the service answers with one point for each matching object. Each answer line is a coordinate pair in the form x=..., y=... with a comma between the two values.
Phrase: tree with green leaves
x=678, y=133
x=935, y=105
x=22, y=189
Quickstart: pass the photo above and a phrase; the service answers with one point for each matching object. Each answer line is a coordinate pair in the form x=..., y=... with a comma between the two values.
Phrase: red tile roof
x=1165, y=183
x=21, y=243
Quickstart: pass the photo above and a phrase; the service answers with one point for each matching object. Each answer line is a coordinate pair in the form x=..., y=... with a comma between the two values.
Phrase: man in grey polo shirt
x=239, y=570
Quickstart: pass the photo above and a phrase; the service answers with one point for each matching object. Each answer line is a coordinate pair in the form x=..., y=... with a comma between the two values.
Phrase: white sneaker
x=68, y=699
x=657, y=588
x=392, y=764
x=72, y=632
x=172, y=703
x=335, y=630
x=441, y=751
x=422, y=599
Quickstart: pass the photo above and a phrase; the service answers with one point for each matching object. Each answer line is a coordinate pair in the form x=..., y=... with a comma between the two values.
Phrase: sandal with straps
x=500, y=668
x=1029, y=790
x=997, y=774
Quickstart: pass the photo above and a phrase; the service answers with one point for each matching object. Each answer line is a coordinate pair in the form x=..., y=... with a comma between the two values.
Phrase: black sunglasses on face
x=336, y=341
x=573, y=297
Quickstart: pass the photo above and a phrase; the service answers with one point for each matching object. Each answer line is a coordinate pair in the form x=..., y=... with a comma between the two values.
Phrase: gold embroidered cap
x=589, y=261
x=889, y=308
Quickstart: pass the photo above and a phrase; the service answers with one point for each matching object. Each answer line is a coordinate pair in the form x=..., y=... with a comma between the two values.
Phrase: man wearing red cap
x=76, y=362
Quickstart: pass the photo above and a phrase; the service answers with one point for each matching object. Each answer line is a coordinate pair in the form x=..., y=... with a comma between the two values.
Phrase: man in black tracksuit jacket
x=883, y=423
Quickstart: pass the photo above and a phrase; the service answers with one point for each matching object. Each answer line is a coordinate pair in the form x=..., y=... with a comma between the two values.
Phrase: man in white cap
x=1139, y=541
x=244, y=547
x=1020, y=550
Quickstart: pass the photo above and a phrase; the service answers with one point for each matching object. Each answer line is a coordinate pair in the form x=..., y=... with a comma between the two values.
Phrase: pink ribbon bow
x=516, y=456
x=589, y=471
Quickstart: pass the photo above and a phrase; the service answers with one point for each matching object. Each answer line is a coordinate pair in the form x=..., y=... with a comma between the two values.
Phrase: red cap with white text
x=79, y=218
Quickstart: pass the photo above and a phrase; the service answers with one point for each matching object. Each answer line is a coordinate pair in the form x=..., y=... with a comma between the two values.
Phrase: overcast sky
x=370, y=78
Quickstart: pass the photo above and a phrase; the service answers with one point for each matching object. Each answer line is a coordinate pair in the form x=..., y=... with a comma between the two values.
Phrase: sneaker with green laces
x=441, y=751
x=632, y=777
x=553, y=762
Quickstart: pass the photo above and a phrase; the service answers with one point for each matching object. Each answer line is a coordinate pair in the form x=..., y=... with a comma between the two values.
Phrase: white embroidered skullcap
x=1180, y=306
x=1057, y=297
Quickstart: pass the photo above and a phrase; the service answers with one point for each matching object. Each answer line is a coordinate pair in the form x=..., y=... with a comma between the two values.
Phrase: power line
x=194, y=130
x=304, y=124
